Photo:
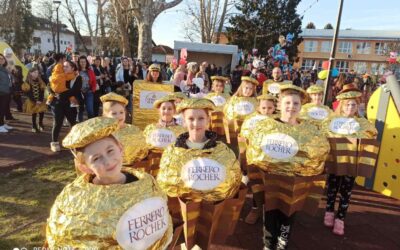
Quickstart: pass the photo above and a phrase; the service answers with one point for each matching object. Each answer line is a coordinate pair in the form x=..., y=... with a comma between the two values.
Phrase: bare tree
x=72, y=18
x=123, y=18
x=46, y=8
x=145, y=12
x=206, y=19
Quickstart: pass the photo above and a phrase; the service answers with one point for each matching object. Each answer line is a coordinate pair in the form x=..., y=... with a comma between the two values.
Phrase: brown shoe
x=253, y=216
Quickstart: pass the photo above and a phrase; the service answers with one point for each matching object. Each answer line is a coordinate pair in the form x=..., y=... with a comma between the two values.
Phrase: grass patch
x=26, y=196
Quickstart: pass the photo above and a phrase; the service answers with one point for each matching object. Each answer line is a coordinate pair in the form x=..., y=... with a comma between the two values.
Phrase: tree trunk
x=221, y=22
x=145, y=39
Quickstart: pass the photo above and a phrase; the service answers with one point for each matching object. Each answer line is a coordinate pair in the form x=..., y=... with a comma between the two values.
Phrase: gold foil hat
x=154, y=67
x=314, y=89
x=301, y=91
x=219, y=78
x=167, y=98
x=349, y=95
x=195, y=103
x=113, y=97
x=266, y=97
x=249, y=79
x=87, y=132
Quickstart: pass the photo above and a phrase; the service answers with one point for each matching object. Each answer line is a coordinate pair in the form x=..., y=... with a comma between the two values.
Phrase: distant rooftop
x=353, y=34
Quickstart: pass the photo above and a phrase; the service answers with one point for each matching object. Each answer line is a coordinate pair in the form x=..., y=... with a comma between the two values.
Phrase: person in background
x=202, y=74
x=34, y=88
x=170, y=71
x=100, y=89
x=143, y=71
x=124, y=81
x=236, y=76
x=109, y=72
x=179, y=76
x=154, y=74
x=17, y=80
x=5, y=85
x=88, y=88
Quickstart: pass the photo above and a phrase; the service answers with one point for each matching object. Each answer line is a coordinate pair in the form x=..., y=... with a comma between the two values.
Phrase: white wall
x=159, y=58
x=46, y=44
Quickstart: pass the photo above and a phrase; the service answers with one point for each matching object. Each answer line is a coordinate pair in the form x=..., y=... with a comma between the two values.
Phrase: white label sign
x=254, y=120
x=218, y=100
x=317, y=113
x=279, y=146
x=203, y=174
x=344, y=126
x=161, y=137
x=273, y=88
x=244, y=108
x=147, y=98
x=143, y=224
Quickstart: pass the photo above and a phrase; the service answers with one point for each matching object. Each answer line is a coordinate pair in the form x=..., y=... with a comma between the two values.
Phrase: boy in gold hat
x=291, y=153
x=130, y=136
x=102, y=207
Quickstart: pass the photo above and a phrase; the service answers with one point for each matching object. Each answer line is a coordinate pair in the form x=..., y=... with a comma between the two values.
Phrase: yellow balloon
x=323, y=74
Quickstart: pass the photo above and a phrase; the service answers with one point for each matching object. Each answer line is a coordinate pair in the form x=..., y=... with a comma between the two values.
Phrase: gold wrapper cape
x=129, y=216
x=133, y=142
x=354, y=149
x=159, y=138
x=199, y=174
x=240, y=107
x=315, y=113
x=283, y=149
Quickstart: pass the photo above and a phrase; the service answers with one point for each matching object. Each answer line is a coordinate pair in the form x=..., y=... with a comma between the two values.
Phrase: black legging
x=41, y=116
x=344, y=185
x=61, y=110
x=277, y=227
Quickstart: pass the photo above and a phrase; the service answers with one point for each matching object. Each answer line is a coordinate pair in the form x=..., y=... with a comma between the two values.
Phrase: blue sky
x=357, y=14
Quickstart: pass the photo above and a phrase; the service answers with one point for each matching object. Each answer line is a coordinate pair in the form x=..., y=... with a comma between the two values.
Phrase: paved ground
x=373, y=220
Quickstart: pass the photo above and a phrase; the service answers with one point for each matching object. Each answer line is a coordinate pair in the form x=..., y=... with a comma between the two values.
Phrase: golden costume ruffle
x=31, y=107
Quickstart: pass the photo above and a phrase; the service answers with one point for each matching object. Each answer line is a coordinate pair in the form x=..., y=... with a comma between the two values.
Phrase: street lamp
x=57, y=4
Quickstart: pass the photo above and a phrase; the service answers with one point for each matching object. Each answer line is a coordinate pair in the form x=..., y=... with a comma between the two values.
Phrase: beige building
x=364, y=51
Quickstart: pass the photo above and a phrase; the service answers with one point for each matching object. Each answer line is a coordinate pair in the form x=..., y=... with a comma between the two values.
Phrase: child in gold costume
x=107, y=207
x=203, y=174
x=130, y=136
x=291, y=152
x=315, y=111
x=349, y=134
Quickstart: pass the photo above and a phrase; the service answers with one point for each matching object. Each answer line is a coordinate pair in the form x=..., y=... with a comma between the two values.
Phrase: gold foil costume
x=315, y=113
x=133, y=142
x=85, y=215
x=175, y=158
x=354, y=148
x=176, y=131
x=234, y=109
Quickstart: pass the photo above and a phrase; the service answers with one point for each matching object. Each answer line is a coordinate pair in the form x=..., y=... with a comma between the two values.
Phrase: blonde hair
x=239, y=91
x=107, y=106
x=215, y=82
x=342, y=103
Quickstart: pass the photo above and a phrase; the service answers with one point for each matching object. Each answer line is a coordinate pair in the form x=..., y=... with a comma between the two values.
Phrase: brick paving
x=373, y=221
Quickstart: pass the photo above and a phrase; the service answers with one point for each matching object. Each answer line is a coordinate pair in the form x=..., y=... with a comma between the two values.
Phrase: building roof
x=206, y=47
x=353, y=34
x=162, y=49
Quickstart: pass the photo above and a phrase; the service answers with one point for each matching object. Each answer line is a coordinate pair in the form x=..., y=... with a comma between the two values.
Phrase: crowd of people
x=275, y=125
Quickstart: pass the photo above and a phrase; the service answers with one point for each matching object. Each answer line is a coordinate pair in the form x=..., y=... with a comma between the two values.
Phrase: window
x=49, y=40
x=345, y=47
x=363, y=48
x=307, y=64
x=360, y=67
x=378, y=68
x=342, y=66
x=380, y=48
x=310, y=46
x=326, y=46
x=68, y=42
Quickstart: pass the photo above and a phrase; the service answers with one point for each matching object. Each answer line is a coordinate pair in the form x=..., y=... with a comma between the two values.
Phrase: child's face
x=34, y=74
x=316, y=98
x=350, y=108
x=219, y=87
x=167, y=111
x=290, y=105
x=116, y=111
x=103, y=158
x=266, y=107
x=247, y=89
x=196, y=121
